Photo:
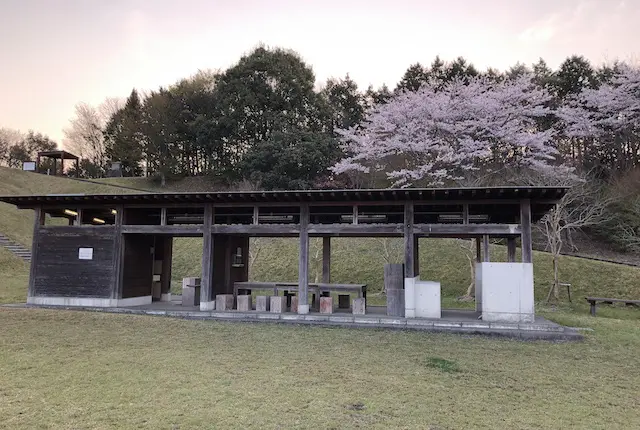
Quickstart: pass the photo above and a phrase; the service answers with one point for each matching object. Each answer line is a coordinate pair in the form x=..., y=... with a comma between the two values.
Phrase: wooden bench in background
x=593, y=301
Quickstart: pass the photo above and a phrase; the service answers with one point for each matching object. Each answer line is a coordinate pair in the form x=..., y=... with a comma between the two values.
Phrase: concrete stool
x=278, y=304
x=294, y=304
x=263, y=303
x=326, y=305
x=224, y=302
x=359, y=306
x=245, y=303
x=191, y=295
x=343, y=301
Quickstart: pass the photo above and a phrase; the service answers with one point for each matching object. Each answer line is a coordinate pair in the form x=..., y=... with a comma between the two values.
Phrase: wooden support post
x=485, y=249
x=163, y=216
x=478, y=249
x=355, y=214
x=206, y=283
x=409, y=242
x=79, y=217
x=38, y=164
x=525, y=221
x=118, y=255
x=256, y=215
x=394, y=286
x=167, y=257
x=326, y=259
x=61, y=163
x=416, y=256
x=465, y=213
x=511, y=249
x=303, y=266
x=77, y=167
x=37, y=223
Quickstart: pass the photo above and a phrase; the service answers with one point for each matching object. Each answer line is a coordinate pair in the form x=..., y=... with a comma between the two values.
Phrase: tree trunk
x=554, y=288
x=556, y=282
x=471, y=289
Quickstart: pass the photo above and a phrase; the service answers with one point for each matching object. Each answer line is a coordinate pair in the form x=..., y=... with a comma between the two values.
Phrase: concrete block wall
x=422, y=298
x=506, y=292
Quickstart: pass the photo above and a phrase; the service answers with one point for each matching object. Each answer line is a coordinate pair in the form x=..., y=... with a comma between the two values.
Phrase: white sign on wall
x=85, y=253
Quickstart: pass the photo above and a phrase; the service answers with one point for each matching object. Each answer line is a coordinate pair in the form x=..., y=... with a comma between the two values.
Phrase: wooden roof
x=58, y=155
x=537, y=195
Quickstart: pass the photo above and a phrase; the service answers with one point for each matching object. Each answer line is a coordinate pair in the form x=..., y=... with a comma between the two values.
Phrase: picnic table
x=316, y=288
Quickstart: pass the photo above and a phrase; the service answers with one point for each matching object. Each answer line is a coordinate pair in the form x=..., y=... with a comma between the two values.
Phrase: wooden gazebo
x=58, y=155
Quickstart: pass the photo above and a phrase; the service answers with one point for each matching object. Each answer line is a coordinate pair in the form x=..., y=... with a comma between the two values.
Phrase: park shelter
x=58, y=155
x=116, y=249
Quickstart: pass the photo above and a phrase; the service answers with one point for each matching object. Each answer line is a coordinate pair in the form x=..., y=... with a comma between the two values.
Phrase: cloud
x=542, y=31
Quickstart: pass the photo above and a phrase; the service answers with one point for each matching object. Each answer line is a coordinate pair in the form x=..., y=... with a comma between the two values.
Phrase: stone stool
x=224, y=302
x=245, y=303
x=278, y=304
x=263, y=303
x=359, y=306
x=326, y=305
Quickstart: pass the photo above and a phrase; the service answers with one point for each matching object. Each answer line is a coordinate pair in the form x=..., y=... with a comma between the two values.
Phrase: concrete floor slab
x=460, y=321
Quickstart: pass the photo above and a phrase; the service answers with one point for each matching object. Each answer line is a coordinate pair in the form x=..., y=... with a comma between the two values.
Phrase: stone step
x=17, y=250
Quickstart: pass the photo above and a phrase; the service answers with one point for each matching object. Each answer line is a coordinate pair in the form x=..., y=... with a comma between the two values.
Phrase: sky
x=57, y=53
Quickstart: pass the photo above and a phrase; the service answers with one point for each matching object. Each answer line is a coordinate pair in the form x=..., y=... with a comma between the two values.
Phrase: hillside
x=353, y=260
x=18, y=224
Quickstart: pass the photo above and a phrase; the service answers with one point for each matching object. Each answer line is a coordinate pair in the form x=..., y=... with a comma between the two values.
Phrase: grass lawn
x=69, y=369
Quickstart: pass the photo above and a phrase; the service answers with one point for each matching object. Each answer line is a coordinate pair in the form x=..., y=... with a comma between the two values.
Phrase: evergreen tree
x=413, y=78
x=347, y=104
x=124, y=140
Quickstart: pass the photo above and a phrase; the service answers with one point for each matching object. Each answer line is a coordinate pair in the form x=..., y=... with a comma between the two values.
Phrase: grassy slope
x=18, y=224
x=68, y=369
x=192, y=184
x=14, y=277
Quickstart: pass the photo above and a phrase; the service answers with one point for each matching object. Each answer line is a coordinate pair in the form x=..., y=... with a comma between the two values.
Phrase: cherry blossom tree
x=603, y=124
x=438, y=135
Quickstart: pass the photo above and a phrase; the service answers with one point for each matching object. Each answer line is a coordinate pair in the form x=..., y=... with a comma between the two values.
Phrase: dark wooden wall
x=164, y=253
x=238, y=274
x=59, y=273
x=138, y=265
x=224, y=275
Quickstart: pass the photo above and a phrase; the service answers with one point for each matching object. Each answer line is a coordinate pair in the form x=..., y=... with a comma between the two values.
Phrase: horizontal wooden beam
x=175, y=230
x=467, y=230
x=258, y=229
x=356, y=229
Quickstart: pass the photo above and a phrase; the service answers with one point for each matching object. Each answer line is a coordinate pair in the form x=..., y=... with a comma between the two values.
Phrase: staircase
x=18, y=250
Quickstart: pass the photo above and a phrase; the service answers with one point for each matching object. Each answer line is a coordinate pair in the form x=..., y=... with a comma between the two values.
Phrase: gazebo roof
x=58, y=155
